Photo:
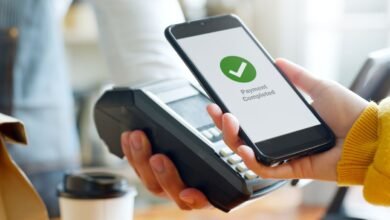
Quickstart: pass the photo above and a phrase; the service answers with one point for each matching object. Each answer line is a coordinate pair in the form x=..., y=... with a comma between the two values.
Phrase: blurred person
x=36, y=89
x=41, y=94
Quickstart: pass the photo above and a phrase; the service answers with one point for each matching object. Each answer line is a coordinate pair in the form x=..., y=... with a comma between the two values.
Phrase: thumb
x=299, y=76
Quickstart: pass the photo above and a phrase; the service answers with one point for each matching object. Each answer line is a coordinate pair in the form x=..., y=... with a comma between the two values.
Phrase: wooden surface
x=253, y=213
x=246, y=213
x=283, y=204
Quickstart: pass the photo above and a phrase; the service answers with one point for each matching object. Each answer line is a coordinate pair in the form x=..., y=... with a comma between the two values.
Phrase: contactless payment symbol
x=238, y=69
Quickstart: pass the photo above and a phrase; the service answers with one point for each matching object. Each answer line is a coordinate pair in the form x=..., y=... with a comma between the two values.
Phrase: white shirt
x=132, y=36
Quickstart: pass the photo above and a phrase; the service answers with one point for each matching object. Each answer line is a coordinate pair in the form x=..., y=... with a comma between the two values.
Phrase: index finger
x=300, y=77
x=216, y=114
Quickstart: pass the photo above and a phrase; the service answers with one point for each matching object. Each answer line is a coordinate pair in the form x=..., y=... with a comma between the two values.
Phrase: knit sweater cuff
x=359, y=148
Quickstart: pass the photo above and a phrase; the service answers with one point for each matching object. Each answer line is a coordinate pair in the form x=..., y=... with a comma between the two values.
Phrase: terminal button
x=234, y=159
x=241, y=167
x=250, y=175
x=215, y=132
x=226, y=152
x=207, y=134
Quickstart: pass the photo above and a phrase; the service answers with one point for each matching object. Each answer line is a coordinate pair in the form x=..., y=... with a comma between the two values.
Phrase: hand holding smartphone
x=240, y=76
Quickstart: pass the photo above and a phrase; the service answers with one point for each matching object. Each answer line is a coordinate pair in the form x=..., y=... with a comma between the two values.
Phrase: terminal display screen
x=193, y=110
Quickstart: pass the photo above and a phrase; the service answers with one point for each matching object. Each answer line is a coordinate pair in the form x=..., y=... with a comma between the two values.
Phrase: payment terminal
x=173, y=115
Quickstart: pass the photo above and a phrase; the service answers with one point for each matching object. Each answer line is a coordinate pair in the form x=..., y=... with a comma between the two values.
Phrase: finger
x=140, y=150
x=299, y=77
x=125, y=139
x=216, y=114
x=125, y=146
x=194, y=198
x=230, y=129
x=283, y=171
x=168, y=178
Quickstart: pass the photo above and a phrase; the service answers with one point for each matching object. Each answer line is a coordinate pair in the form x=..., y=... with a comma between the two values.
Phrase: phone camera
x=202, y=23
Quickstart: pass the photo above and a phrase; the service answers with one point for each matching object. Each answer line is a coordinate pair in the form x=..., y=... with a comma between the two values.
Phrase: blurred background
x=330, y=38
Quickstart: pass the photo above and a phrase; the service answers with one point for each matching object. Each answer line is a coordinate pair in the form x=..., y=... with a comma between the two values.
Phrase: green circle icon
x=238, y=69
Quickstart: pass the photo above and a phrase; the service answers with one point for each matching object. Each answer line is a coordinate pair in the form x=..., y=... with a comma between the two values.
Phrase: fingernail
x=136, y=141
x=239, y=150
x=125, y=139
x=158, y=165
x=243, y=148
x=187, y=199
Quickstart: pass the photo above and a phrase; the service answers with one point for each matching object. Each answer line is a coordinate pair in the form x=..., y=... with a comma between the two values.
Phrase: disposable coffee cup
x=95, y=196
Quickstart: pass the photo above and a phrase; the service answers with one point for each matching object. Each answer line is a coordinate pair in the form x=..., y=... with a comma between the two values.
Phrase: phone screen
x=248, y=83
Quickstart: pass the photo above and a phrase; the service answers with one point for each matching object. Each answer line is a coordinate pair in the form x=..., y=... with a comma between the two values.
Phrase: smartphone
x=241, y=77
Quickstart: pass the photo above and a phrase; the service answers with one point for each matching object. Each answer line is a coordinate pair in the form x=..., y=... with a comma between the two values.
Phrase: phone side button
x=275, y=164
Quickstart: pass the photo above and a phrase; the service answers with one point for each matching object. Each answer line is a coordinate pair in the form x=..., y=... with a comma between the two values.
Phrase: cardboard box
x=18, y=199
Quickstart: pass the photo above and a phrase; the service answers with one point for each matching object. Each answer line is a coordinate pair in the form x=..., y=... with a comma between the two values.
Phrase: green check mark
x=238, y=69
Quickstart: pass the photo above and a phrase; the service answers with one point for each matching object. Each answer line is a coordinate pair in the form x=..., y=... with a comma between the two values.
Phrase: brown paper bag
x=18, y=199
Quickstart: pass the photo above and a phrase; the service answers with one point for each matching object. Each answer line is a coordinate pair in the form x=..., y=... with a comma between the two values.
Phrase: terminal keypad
x=214, y=135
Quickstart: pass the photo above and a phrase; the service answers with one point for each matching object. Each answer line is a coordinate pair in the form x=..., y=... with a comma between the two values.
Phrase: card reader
x=173, y=115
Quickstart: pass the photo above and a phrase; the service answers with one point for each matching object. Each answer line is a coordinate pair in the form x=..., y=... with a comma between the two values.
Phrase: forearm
x=132, y=38
x=365, y=154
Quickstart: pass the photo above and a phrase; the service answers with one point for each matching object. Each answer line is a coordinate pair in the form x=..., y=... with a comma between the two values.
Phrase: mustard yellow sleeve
x=365, y=159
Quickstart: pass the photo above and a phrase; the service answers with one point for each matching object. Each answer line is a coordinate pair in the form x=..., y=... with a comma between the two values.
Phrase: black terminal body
x=172, y=114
